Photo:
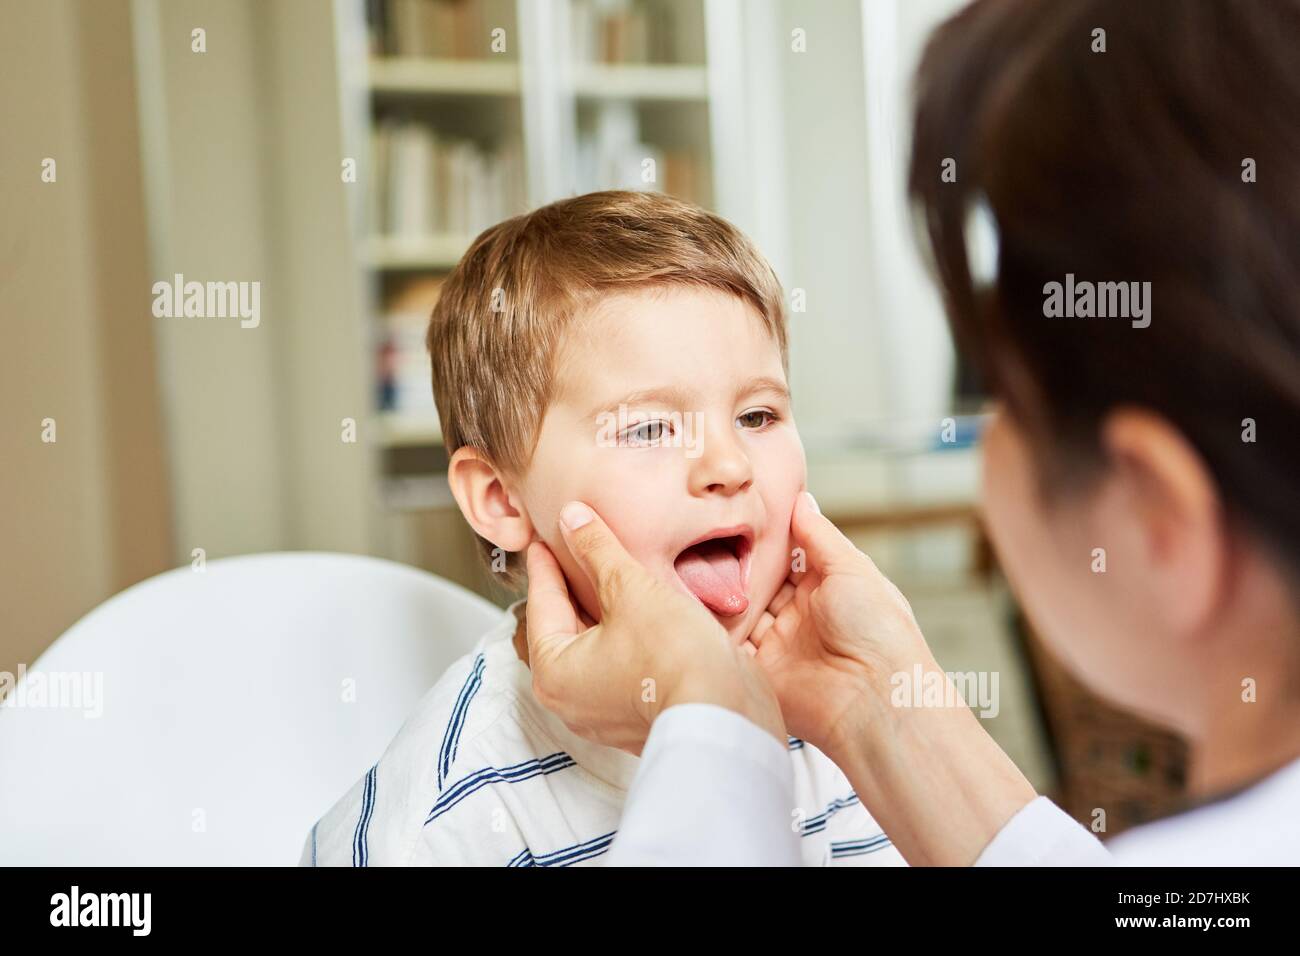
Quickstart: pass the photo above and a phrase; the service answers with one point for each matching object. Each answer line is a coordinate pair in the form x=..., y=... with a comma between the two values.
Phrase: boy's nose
x=722, y=467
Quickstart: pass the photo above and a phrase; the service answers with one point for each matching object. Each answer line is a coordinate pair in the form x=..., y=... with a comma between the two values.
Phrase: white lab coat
x=711, y=781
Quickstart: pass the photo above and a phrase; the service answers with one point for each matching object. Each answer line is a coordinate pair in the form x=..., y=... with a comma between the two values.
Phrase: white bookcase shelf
x=413, y=76
x=409, y=430
x=431, y=253
x=603, y=81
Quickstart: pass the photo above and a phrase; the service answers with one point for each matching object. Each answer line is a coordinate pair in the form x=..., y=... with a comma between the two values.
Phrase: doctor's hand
x=832, y=641
x=834, y=635
x=653, y=648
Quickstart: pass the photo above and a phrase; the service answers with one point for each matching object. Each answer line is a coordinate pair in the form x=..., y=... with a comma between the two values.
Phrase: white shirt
x=1259, y=826
x=482, y=774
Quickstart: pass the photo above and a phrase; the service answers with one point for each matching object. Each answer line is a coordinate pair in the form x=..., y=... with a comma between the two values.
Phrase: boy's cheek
x=607, y=479
x=637, y=527
x=779, y=555
x=786, y=476
x=630, y=500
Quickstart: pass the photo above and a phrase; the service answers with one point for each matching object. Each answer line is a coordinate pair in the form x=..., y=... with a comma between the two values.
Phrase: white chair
x=238, y=704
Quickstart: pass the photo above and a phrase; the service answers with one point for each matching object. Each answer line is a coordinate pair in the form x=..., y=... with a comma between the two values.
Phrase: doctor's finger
x=600, y=554
x=551, y=616
x=824, y=544
x=783, y=597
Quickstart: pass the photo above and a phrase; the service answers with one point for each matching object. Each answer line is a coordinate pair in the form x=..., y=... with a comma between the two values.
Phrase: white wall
x=836, y=365
x=920, y=362
x=873, y=346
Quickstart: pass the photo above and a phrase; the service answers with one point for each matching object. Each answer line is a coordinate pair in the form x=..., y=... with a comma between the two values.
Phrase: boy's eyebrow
x=668, y=397
x=671, y=398
x=766, y=384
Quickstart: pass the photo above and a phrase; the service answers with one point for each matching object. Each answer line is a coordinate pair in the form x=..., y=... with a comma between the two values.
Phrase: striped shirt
x=482, y=775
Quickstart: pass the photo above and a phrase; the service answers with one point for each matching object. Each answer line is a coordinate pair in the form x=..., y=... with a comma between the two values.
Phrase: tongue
x=712, y=572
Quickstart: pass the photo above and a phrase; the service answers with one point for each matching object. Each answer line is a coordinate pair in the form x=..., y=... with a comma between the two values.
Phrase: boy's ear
x=490, y=507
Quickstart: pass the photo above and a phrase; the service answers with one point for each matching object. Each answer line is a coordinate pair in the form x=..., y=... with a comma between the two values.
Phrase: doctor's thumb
x=599, y=554
x=825, y=545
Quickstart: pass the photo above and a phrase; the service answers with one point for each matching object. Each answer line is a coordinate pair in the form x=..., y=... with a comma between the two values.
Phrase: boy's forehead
x=677, y=337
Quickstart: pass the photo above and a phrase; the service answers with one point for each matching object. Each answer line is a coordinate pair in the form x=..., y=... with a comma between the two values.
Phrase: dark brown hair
x=1128, y=165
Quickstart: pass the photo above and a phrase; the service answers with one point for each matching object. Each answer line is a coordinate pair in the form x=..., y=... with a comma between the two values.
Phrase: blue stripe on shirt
x=844, y=848
x=575, y=854
x=451, y=736
x=793, y=743
x=517, y=773
x=818, y=823
x=567, y=856
x=523, y=858
x=360, y=839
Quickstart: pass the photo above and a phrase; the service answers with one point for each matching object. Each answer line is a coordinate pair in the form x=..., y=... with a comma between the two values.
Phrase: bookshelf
x=436, y=253
x=641, y=82
x=393, y=76
x=403, y=430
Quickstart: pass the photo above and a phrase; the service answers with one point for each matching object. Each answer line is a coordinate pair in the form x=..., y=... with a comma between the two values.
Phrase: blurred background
x=343, y=153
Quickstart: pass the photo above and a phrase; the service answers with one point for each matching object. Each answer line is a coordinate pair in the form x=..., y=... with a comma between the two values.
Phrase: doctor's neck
x=1242, y=711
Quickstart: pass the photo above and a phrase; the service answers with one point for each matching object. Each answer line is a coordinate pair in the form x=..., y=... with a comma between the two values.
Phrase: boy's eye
x=647, y=433
x=755, y=418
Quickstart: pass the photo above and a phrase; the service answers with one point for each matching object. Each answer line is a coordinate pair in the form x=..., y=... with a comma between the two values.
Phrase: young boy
x=628, y=350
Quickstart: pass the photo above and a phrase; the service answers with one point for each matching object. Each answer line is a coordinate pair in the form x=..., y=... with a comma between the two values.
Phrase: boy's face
x=672, y=419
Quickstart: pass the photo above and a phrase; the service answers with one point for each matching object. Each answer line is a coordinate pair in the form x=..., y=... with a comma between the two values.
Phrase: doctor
x=1171, y=447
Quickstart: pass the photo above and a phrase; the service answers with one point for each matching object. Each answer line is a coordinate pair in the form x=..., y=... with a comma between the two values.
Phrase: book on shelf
x=623, y=31
x=442, y=29
x=427, y=183
x=604, y=164
x=404, y=369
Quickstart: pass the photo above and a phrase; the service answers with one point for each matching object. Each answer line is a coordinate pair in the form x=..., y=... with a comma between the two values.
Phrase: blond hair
x=503, y=310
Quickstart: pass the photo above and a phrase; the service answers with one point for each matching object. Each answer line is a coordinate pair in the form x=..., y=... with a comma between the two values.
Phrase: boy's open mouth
x=716, y=569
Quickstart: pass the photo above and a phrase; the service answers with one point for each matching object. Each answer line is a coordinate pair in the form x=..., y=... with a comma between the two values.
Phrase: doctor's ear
x=1172, y=508
x=488, y=501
